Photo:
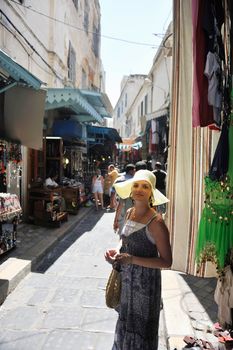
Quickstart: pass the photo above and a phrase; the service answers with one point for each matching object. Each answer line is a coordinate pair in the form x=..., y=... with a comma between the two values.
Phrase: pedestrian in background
x=98, y=188
x=145, y=250
x=161, y=176
x=123, y=204
x=140, y=165
x=112, y=175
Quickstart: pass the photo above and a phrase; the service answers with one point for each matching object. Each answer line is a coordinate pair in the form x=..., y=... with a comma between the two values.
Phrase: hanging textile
x=202, y=112
x=215, y=234
x=219, y=165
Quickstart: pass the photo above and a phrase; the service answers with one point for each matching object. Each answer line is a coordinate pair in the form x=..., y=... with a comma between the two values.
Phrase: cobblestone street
x=62, y=305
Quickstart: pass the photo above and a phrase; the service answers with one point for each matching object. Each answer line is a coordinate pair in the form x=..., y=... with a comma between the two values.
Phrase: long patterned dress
x=139, y=309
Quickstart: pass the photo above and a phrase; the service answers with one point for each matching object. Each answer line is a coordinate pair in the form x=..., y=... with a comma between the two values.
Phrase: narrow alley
x=62, y=304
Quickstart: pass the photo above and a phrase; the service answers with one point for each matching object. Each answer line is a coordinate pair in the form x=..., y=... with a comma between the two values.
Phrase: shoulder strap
x=128, y=213
x=151, y=219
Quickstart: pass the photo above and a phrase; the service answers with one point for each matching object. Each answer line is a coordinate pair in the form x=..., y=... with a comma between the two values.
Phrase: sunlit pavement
x=62, y=305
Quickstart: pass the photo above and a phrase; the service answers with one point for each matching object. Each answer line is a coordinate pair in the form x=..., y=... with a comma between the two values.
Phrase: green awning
x=101, y=133
x=72, y=100
x=99, y=101
x=11, y=73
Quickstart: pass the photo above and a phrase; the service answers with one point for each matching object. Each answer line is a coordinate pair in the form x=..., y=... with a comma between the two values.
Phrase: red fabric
x=202, y=112
x=152, y=146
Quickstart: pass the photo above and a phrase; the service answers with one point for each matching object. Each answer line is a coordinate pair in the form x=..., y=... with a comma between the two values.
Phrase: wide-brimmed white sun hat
x=124, y=188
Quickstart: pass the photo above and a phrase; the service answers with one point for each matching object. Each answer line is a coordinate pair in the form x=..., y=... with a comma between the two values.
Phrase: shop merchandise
x=10, y=212
x=215, y=234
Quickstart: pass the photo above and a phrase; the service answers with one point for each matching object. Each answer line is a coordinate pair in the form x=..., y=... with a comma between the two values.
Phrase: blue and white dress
x=139, y=309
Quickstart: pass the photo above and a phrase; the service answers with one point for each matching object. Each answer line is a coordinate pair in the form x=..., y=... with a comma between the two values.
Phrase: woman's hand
x=124, y=258
x=110, y=255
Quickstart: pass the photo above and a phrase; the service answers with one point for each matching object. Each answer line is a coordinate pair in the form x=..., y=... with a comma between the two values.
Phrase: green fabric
x=215, y=233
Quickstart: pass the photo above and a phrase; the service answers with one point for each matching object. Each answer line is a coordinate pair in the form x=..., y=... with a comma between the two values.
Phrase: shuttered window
x=71, y=64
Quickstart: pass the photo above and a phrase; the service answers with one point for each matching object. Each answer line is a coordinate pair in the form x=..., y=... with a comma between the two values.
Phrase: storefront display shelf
x=8, y=232
x=47, y=207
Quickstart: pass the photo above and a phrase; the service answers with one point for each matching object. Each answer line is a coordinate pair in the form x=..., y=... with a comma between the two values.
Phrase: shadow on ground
x=64, y=244
x=203, y=289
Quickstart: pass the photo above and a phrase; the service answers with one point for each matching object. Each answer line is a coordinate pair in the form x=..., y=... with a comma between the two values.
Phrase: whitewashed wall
x=130, y=87
x=51, y=39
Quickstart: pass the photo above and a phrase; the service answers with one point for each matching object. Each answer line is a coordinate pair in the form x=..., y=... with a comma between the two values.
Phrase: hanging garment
x=213, y=73
x=215, y=232
x=155, y=136
x=202, y=112
x=212, y=21
x=219, y=166
x=152, y=143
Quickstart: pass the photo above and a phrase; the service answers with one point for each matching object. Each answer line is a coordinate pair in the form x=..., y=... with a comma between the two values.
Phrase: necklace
x=135, y=216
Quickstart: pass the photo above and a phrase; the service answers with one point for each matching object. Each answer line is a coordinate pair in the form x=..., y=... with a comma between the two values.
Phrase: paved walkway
x=61, y=304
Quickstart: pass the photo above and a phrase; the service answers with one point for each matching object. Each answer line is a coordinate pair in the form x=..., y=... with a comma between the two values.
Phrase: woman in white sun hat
x=145, y=250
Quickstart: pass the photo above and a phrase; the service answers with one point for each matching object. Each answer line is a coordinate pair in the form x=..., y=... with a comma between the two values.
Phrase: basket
x=113, y=289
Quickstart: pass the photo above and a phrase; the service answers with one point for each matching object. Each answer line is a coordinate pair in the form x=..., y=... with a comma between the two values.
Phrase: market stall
x=10, y=212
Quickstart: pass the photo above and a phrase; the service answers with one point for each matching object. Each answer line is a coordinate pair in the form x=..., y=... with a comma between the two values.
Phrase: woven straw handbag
x=113, y=289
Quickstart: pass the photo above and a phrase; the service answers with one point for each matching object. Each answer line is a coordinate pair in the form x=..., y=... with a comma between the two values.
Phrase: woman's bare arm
x=160, y=233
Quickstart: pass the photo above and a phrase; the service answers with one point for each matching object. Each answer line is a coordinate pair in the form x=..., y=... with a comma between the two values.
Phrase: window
x=96, y=40
x=125, y=100
x=84, y=79
x=86, y=17
x=122, y=107
x=118, y=112
x=75, y=3
x=71, y=64
x=146, y=104
x=141, y=108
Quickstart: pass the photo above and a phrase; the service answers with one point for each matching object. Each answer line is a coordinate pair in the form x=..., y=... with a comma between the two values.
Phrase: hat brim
x=123, y=189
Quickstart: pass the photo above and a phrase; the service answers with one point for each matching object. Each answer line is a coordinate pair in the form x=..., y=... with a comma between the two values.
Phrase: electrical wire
x=15, y=36
x=31, y=46
x=89, y=32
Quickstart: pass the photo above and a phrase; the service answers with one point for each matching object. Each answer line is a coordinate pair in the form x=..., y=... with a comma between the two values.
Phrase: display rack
x=10, y=212
x=71, y=196
x=46, y=206
x=54, y=155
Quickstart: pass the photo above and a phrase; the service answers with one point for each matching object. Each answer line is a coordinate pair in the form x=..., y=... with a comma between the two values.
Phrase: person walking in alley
x=123, y=204
x=98, y=188
x=161, y=176
x=145, y=250
x=141, y=164
x=112, y=175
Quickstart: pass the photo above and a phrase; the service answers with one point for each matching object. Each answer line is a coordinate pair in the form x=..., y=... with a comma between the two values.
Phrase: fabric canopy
x=74, y=101
x=11, y=72
x=23, y=116
x=103, y=132
x=99, y=101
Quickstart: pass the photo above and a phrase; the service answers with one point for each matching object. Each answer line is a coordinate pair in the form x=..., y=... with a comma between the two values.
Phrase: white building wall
x=138, y=110
x=43, y=28
x=161, y=82
x=51, y=39
x=130, y=87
